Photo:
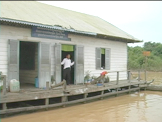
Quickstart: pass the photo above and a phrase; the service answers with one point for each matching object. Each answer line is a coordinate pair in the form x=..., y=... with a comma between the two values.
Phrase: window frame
x=99, y=58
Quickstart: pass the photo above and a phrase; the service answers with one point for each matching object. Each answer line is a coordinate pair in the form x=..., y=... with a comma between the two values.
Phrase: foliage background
x=136, y=59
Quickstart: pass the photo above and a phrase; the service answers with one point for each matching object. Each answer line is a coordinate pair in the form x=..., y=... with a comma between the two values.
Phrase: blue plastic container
x=36, y=83
x=99, y=84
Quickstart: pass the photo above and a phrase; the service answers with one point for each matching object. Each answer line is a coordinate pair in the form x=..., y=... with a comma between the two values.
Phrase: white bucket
x=14, y=85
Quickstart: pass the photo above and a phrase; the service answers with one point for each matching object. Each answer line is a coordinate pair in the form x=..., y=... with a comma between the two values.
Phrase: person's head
x=68, y=56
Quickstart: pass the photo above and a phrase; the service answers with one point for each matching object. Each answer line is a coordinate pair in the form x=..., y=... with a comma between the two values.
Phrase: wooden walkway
x=112, y=88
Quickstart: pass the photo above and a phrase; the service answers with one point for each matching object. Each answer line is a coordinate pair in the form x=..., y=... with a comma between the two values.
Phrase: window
x=102, y=58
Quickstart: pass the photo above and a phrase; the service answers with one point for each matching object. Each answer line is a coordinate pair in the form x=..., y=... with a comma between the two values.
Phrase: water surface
x=145, y=106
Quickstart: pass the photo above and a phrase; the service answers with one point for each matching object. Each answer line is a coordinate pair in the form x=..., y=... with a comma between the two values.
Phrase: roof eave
x=69, y=30
x=45, y=26
x=115, y=38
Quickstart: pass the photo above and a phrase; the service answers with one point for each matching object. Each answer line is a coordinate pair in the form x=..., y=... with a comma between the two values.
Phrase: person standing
x=67, y=68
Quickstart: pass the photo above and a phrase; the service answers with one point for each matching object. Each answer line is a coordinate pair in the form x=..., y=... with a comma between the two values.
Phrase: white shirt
x=67, y=63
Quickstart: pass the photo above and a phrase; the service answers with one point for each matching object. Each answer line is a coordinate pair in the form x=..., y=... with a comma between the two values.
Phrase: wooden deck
x=85, y=91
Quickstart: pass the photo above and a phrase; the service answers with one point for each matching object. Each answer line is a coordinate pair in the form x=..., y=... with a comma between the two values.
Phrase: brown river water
x=143, y=106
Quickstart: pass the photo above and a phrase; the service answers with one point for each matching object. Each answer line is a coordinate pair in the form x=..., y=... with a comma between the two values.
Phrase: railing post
x=128, y=75
x=139, y=75
x=145, y=75
x=47, y=85
x=4, y=85
x=117, y=78
x=129, y=78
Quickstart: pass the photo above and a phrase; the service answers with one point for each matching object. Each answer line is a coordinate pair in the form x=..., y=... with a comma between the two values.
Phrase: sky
x=141, y=19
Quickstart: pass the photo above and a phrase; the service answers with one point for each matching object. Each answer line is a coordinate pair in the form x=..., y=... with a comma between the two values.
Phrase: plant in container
x=87, y=76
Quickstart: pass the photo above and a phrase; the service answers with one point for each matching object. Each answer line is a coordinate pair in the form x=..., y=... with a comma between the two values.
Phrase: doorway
x=68, y=49
x=28, y=64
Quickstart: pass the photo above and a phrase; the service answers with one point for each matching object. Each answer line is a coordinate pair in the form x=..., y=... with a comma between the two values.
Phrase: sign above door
x=49, y=33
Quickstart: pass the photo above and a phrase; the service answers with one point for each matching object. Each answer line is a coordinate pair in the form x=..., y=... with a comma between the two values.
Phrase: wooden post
x=139, y=87
x=47, y=85
x=129, y=80
x=47, y=103
x=47, y=99
x=102, y=92
x=4, y=106
x=117, y=78
x=117, y=82
x=139, y=75
x=129, y=76
x=116, y=92
x=63, y=99
x=85, y=96
x=129, y=87
x=139, y=78
x=145, y=76
x=64, y=85
x=4, y=85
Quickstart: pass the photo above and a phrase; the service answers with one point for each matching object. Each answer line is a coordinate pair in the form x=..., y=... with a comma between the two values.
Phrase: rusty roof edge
x=65, y=29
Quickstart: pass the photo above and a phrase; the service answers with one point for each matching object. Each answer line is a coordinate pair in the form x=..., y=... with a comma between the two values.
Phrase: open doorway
x=28, y=64
x=68, y=49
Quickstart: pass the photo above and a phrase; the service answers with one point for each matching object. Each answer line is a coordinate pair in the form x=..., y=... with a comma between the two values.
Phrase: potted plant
x=107, y=80
x=53, y=81
x=87, y=76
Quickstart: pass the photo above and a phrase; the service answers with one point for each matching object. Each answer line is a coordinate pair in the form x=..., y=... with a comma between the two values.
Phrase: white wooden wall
x=118, y=55
x=118, y=50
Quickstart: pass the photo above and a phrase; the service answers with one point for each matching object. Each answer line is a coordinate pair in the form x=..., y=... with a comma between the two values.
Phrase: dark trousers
x=67, y=75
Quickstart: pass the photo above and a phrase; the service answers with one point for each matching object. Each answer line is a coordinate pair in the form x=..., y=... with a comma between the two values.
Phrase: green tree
x=136, y=59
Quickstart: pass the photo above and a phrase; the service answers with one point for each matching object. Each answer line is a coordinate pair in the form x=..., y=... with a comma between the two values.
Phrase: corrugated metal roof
x=45, y=26
x=29, y=12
